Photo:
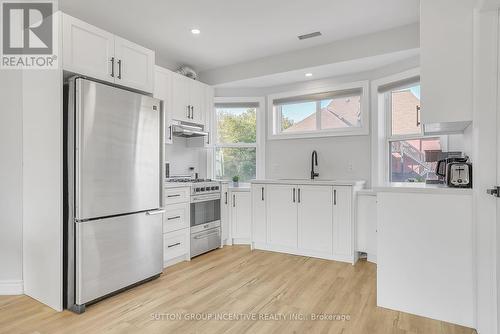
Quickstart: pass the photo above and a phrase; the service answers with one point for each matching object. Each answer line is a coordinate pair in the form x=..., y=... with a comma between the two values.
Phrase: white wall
x=339, y=157
x=11, y=135
x=181, y=157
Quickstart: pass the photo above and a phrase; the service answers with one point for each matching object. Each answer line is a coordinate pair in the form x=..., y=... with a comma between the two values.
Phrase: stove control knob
x=197, y=189
x=217, y=188
x=213, y=188
x=203, y=189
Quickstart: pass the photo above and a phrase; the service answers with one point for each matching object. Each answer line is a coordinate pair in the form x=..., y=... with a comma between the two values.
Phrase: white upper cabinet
x=282, y=215
x=190, y=98
x=96, y=53
x=163, y=91
x=315, y=218
x=446, y=57
x=87, y=49
x=197, y=95
x=180, y=91
x=134, y=64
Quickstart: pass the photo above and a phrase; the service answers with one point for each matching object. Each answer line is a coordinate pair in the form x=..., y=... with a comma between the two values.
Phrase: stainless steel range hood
x=188, y=130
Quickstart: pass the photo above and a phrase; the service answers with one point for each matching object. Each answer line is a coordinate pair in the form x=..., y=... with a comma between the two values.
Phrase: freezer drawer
x=114, y=253
x=204, y=241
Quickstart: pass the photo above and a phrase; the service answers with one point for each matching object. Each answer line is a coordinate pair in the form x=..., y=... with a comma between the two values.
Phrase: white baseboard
x=11, y=287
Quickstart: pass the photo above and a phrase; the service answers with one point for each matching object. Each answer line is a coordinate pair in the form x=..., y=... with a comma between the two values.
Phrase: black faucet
x=314, y=161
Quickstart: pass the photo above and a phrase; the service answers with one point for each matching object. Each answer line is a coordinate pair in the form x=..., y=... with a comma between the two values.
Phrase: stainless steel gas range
x=205, y=214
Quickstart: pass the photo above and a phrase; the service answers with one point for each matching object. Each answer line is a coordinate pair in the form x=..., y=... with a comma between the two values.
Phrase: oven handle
x=206, y=235
x=205, y=198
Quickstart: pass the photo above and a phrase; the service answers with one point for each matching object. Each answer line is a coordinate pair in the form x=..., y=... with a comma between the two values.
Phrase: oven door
x=205, y=209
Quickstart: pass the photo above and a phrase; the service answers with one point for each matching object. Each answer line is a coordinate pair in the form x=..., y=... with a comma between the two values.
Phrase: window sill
x=320, y=134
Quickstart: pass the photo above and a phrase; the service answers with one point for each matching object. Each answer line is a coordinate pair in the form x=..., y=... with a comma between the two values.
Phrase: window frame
x=259, y=145
x=274, y=117
x=389, y=137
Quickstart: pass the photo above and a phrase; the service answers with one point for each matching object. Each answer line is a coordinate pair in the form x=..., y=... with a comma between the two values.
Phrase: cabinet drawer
x=175, y=244
x=177, y=195
x=176, y=217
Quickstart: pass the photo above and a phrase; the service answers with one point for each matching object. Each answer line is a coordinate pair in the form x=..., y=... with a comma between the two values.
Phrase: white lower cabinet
x=176, y=226
x=342, y=222
x=282, y=215
x=241, y=217
x=176, y=217
x=315, y=216
x=309, y=220
x=176, y=247
x=259, y=196
x=224, y=214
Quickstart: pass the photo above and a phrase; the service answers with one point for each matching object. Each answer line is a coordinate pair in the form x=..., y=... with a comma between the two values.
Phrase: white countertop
x=420, y=187
x=311, y=182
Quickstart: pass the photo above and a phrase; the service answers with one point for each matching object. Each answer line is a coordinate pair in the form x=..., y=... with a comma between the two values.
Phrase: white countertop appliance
x=113, y=191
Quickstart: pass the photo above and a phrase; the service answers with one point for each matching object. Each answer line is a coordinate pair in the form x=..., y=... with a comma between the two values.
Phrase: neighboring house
x=408, y=156
x=339, y=113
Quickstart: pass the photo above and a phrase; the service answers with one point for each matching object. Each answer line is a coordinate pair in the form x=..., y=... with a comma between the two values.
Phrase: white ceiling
x=325, y=71
x=234, y=31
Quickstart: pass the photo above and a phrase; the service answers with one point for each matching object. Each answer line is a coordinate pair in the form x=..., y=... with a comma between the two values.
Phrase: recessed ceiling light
x=309, y=74
x=195, y=31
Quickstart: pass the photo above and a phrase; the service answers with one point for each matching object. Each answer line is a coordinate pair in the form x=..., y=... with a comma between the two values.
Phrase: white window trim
x=379, y=143
x=381, y=128
x=365, y=114
x=260, y=169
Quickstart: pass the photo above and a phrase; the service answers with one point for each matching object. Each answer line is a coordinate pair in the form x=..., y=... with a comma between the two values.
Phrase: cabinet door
x=240, y=215
x=259, y=226
x=87, y=50
x=197, y=94
x=134, y=65
x=224, y=213
x=180, y=97
x=282, y=215
x=342, y=221
x=315, y=218
x=163, y=91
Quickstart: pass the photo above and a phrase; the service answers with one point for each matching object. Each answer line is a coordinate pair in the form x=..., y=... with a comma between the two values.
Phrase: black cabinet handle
x=298, y=195
x=418, y=115
x=176, y=195
x=192, y=112
x=172, y=218
x=188, y=112
x=173, y=245
x=334, y=197
x=293, y=191
x=170, y=130
x=226, y=198
x=112, y=67
x=262, y=193
x=119, y=68
x=234, y=200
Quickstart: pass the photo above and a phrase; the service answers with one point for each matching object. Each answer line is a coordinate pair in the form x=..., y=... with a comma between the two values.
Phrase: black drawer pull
x=176, y=195
x=172, y=218
x=177, y=244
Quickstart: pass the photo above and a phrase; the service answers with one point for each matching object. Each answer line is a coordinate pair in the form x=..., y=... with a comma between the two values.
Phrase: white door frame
x=486, y=168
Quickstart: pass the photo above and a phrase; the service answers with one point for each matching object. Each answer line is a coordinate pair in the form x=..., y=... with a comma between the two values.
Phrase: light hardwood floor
x=233, y=281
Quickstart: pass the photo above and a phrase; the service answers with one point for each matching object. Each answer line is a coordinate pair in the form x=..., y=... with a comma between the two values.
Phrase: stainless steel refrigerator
x=113, y=190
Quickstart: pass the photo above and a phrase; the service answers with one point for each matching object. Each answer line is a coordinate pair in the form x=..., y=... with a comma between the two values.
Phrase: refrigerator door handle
x=155, y=212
